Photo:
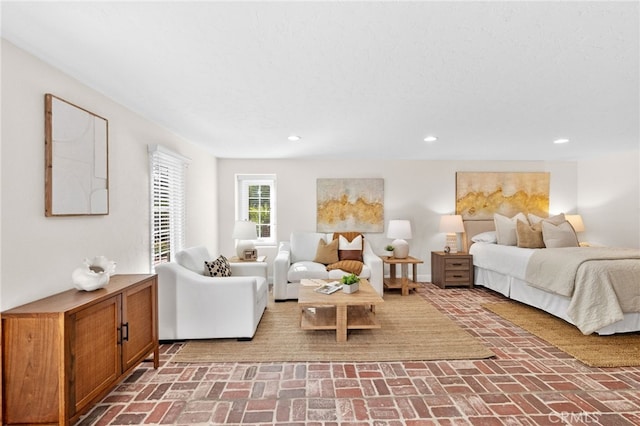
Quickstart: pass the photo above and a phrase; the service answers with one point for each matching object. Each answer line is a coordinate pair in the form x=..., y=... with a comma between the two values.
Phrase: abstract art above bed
x=481, y=194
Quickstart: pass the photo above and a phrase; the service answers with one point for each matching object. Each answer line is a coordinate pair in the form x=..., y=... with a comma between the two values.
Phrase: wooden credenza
x=63, y=353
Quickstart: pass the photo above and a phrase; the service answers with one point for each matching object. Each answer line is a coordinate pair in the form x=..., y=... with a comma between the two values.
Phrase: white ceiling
x=493, y=80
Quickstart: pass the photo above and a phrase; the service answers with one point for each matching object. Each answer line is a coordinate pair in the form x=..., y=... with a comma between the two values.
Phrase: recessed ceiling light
x=561, y=140
x=430, y=139
x=294, y=138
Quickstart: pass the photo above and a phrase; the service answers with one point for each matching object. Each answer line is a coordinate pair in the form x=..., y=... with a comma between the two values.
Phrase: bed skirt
x=554, y=304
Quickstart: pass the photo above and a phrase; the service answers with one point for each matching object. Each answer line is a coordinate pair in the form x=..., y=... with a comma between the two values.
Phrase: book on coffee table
x=329, y=288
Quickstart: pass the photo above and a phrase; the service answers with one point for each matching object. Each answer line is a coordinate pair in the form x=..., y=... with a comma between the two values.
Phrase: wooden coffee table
x=338, y=311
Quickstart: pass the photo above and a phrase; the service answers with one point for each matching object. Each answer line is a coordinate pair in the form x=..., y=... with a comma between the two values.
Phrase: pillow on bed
x=556, y=220
x=485, y=237
x=529, y=236
x=562, y=235
x=506, y=228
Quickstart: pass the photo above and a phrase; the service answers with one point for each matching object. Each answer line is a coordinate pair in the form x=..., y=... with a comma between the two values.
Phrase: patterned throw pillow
x=350, y=249
x=217, y=268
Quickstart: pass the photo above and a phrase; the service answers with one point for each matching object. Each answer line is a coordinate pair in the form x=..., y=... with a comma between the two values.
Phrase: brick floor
x=528, y=383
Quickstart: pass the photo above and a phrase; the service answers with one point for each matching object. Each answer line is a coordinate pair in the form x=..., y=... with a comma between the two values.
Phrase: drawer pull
x=457, y=264
x=457, y=276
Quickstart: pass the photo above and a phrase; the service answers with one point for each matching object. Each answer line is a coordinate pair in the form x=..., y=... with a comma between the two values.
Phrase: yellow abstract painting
x=350, y=205
x=481, y=194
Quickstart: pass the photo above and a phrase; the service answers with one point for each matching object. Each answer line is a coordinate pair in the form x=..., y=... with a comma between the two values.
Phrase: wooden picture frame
x=76, y=160
x=250, y=255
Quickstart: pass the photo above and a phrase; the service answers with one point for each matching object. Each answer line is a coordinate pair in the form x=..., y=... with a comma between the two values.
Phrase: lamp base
x=452, y=243
x=400, y=249
x=243, y=245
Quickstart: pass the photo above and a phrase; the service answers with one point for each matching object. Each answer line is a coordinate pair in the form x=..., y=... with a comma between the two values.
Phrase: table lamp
x=401, y=231
x=451, y=224
x=244, y=232
x=576, y=221
x=578, y=225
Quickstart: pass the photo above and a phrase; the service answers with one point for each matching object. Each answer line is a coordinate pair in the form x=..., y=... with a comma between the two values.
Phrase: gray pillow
x=556, y=236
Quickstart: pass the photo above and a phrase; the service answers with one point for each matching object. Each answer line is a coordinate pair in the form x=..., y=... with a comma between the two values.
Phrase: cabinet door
x=31, y=381
x=139, y=328
x=95, y=354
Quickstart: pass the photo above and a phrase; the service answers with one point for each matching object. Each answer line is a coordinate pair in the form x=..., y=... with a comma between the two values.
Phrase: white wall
x=38, y=253
x=420, y=191
x=609, y=199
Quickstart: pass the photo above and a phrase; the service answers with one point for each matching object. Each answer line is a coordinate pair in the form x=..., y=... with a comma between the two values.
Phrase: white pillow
x=485, y=237
x=562, y=235
x=506, y=228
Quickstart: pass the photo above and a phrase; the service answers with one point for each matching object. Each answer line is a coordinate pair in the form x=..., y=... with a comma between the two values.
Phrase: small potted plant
x=350, y=283
x=388, y=250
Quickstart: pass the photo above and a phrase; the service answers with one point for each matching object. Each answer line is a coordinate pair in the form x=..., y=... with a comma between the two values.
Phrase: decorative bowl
x=93, y=274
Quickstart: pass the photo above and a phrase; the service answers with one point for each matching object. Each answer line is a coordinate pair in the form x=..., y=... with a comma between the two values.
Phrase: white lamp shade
x=451, y=224
x=576, y=221
x=244, y=230
x=400, y=229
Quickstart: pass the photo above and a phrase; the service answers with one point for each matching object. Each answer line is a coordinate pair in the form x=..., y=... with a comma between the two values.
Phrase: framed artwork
x=250, y=254
x=481, y=194
x=350, y=205
x=76, y=160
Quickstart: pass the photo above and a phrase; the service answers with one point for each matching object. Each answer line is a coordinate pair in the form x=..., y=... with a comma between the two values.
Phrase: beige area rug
x=619, y=350
x=412, y=330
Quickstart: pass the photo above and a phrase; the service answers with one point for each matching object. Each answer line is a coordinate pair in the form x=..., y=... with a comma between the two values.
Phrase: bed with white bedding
x=596, y=289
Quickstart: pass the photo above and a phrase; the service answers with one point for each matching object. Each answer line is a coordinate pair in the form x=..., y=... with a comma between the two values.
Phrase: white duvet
x=508, y=260
x=602, y=292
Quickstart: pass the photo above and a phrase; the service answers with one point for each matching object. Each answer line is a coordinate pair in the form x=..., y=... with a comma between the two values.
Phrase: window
x=256, y=201
x=168, y=176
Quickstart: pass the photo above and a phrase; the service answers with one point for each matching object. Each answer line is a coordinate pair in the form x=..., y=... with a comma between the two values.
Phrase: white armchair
x=194, y=306
x=294, y=262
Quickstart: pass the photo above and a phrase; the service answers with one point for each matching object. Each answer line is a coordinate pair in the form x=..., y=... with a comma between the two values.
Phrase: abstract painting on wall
x=350, y=205
x=76, y=160
x=481, y=194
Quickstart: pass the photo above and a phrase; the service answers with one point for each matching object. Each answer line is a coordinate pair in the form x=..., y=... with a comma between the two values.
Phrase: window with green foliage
x=256, y=202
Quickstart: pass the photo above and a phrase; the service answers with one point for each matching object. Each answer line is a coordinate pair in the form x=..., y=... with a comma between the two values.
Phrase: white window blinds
x=168, y=185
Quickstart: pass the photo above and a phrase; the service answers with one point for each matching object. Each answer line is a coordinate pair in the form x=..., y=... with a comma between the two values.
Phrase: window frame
x=242, y=183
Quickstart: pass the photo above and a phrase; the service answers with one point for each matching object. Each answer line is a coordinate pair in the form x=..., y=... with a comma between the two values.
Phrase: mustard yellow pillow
x=529, y=236
x=327, y=253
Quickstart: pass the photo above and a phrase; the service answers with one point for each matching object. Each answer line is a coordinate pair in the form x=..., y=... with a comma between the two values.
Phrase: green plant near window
x=349, y=279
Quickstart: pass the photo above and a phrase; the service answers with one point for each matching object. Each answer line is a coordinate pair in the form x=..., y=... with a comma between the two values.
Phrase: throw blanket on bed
x=601, y=282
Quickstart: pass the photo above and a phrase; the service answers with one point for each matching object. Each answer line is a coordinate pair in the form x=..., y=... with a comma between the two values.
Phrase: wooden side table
x=451, y=269
x=403, y=283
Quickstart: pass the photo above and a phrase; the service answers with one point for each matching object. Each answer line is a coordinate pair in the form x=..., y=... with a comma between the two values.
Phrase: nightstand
x=451, y=269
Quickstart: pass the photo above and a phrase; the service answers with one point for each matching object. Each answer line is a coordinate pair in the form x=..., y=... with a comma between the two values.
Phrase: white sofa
x=194, y=306
x=294, y=262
